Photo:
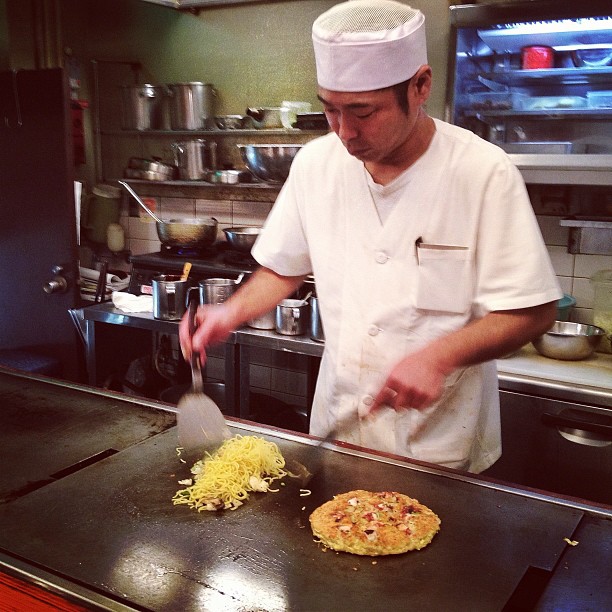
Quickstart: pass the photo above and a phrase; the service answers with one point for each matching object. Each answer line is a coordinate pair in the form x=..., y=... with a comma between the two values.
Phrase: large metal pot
x=187, y=232
x=143, y=107
x=192, y=105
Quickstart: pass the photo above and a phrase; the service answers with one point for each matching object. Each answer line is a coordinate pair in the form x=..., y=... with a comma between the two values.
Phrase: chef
x=427, y=258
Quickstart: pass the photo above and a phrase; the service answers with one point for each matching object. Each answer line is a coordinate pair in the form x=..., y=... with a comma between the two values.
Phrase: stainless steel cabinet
x=556, y=446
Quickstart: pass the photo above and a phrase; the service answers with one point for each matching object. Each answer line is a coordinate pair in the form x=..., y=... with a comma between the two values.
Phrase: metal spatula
x=311, y=464
x=201, y=425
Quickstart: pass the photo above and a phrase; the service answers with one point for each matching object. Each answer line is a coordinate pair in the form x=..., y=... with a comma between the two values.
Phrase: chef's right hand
x=213, y=325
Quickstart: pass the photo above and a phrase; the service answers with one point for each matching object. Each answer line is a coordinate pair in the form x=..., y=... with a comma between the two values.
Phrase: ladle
x=137, y=198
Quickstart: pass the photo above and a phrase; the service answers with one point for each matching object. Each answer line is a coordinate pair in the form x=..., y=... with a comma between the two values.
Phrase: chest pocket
x=444, y=278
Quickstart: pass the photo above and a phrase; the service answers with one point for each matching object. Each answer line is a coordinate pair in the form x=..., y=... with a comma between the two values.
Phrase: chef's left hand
x=417, y=381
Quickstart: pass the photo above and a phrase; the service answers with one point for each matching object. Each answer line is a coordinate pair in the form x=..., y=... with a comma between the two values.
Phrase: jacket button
x=381, y=257
x=373, y=330
x=368, y=400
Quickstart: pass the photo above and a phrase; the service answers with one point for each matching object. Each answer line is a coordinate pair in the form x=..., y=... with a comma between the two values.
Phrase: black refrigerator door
x=37, y=216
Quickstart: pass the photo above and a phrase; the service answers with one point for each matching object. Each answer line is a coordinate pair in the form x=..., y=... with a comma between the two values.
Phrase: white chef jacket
x=462, y=241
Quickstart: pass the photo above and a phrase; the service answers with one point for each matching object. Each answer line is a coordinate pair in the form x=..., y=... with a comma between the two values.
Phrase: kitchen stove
x=168, y=250
x=218, y=260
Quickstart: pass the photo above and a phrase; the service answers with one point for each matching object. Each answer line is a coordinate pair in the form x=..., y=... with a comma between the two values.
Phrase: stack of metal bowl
x=150, y=170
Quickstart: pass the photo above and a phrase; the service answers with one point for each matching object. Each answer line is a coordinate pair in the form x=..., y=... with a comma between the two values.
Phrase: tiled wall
x=573, y=271
x=284, y=375
x=140, y=228
x=280, y=375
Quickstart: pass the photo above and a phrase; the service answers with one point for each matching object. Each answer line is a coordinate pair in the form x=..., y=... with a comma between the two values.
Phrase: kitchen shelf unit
x=216, y=133
x=238, y=192
x=490, y=93
x=122, y=144
x=592, y=114
x=564, y=76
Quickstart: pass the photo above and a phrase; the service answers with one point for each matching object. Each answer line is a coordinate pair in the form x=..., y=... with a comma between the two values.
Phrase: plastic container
x=602, y=306
x=100, y=209
x=536, y=57
x=565, y=306
x=599, y=99
x=552, y=102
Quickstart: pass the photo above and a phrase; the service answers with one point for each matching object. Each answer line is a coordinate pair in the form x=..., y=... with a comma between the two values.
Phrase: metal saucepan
x=242, y=238
x=180, y=232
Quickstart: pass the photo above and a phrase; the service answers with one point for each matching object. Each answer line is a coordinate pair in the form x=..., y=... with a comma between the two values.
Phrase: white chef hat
x=362, y=45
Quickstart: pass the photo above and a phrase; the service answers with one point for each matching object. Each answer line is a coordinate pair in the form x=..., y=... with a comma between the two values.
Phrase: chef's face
x=372, y=125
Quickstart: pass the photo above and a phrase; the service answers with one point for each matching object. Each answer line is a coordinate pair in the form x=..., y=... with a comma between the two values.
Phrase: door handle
x=58, y=284
x=578, y=425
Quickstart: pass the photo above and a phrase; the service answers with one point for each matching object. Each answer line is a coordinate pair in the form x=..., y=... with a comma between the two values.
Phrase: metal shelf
x=213, y=132
x=579, y=169
x=545, y=113
x=565, y=76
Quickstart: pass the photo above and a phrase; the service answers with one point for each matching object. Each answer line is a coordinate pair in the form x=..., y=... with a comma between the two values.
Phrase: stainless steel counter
x=107, y=533
x=588, y=381
x=236, y=348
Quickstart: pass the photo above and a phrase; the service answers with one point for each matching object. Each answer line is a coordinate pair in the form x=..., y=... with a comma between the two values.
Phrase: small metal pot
x=292, y=317
x=217, y=290
x=194, y=158
x=264, y=321
x=316, y=325
x=169, y=297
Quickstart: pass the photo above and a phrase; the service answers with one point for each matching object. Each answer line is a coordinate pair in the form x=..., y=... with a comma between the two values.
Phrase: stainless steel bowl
x=242, y=238
x=269, y=162
x=569, y=341
x=592, y=58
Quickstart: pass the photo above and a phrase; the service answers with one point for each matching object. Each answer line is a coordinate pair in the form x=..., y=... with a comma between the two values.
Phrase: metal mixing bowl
x=569, y=341
x=242, y=238
x=269, y=162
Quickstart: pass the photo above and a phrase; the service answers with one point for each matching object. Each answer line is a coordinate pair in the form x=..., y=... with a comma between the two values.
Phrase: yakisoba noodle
x=225, y=479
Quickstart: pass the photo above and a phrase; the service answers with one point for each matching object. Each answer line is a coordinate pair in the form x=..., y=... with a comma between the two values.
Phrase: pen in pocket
x=417, y=244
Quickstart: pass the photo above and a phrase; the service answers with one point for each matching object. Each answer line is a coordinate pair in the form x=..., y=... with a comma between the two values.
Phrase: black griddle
x=111, y=527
